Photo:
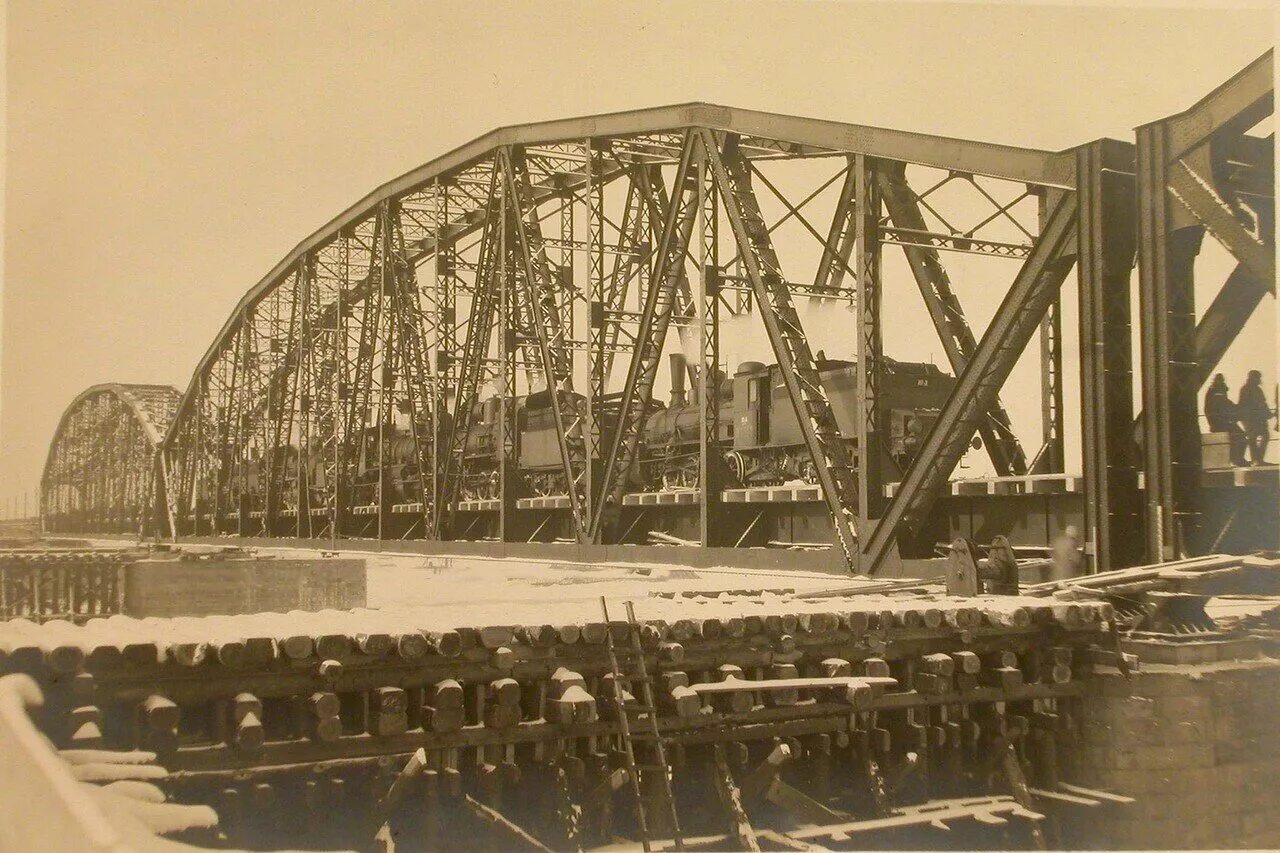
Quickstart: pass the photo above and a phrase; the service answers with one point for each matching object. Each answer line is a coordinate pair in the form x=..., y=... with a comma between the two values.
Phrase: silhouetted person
x=1067, y=554
x=1254, y=414
x=1223, y=416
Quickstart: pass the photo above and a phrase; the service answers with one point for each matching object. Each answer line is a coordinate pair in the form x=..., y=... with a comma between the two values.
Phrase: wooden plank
x=800, y=804
x=512, y=834
x=731, y=799
x=936, y=812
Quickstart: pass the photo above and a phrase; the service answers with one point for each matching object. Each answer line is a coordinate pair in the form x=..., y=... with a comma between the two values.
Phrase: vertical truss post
x=597, y=375
x=1167, y=248
x=200, y=474
x=948, y=317
x=306, y=383
x=1036, y=286
x=283, y=394
x=382, y=277
x=790, y=345
x=870, y=350
x=228, y=418
x=409, y=334
x=1051, y=456
x=438, y=320
x=508, y=315
x=659, y=302
x=1113, y=508
x=243, y=446
x=364, y=389
x=339, y=391
x=706, y=306
x=445, y=359
x=540, y=292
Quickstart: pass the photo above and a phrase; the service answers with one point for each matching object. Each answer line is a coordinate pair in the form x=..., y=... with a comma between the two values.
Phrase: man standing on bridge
x=1254, y=414
x=1223, y=416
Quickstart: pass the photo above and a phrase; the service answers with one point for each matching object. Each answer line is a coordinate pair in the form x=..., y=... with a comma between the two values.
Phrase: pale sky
x=162, y=156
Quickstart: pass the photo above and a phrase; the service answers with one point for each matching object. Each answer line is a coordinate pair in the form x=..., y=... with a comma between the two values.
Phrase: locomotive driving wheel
x=737, y=464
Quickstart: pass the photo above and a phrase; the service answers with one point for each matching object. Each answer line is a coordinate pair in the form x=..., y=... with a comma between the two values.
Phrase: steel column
x=1113, y=506
x=870, y=349
x=1167, y=247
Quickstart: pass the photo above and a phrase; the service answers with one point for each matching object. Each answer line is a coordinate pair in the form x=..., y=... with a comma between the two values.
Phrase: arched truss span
x=99, y=476
x=357, y=387
x=390, y=376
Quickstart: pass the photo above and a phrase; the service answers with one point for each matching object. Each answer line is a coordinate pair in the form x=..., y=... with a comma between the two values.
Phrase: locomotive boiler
x=758, y=434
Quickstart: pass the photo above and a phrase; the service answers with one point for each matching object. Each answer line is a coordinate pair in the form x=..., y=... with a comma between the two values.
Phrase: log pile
x=518, y=724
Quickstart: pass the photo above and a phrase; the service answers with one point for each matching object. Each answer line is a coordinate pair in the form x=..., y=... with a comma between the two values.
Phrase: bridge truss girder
x=487, y=275
x=373, y=383
x=100, y=473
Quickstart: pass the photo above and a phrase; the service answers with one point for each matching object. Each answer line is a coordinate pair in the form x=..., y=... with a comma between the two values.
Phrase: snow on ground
x=499, y=591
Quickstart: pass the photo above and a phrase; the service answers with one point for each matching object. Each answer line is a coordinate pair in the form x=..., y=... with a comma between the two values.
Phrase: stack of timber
x=861, y=713
x=67, y=584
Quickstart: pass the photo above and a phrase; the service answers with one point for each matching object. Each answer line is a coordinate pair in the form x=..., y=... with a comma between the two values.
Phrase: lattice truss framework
x=384, y=341
x=100, y=472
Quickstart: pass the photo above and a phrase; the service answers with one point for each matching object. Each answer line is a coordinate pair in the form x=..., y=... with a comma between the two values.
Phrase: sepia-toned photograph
x=638, y=425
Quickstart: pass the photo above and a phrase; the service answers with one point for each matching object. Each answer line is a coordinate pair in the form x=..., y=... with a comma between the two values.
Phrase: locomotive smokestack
x=678, y=396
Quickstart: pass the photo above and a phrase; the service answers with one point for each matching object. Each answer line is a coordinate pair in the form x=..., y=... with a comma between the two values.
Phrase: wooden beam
x=511, y=834
x=731, y=798
x=800, y=804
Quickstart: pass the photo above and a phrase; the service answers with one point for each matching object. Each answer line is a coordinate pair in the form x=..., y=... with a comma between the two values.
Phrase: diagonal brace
x=541, y=301
x=796, y=363
x=948, y=318
x=1034, y=289
x=660, y=298
x=1191, y=182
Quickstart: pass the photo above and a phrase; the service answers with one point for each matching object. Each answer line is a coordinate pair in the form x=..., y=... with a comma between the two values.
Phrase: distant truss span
x=99, y=476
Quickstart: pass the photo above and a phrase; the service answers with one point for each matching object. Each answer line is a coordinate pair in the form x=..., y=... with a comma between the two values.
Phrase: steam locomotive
x=757, y=436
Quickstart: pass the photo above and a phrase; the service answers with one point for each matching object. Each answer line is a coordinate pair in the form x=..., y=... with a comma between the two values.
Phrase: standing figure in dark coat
x=1254, y=416
x=1223, y=417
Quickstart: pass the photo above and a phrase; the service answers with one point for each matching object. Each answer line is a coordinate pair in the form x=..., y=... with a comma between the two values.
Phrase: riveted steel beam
x=1107, y=241
x=865, y=218
x=1235, y=106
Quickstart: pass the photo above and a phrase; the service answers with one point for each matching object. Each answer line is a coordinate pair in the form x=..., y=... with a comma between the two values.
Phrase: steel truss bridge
x=100, y=472
x=568, y=254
